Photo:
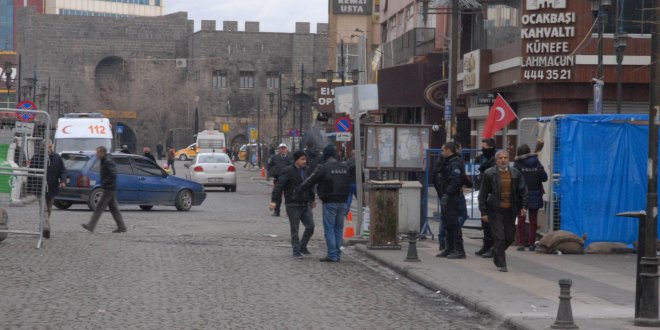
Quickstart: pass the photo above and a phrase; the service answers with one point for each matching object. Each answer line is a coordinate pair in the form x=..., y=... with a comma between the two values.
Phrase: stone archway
x=126, y=137
x=111, y=81
x=239, y=139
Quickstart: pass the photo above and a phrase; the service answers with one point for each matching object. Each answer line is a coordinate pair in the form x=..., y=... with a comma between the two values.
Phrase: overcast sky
x=274, y=15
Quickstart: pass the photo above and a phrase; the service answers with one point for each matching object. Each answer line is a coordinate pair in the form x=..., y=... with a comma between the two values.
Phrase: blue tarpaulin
x=603, y=162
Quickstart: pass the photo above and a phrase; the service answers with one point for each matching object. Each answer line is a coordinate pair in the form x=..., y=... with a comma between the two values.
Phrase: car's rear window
x=219, y=158
x=74, y=162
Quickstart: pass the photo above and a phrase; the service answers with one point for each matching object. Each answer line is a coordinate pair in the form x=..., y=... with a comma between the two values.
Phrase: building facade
x=542, y=56
x=159, y=79
x=106, y=8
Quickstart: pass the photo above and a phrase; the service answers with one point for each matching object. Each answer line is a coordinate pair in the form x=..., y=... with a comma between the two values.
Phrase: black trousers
x=488, y=234
x=298, y=214
x=278, y=199
x=503, y=226
x=451, y=223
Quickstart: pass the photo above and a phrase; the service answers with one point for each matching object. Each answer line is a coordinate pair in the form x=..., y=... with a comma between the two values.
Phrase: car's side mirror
x=186, y=165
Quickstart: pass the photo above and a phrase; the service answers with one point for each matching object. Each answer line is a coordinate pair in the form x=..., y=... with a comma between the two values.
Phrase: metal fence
x=24, y=137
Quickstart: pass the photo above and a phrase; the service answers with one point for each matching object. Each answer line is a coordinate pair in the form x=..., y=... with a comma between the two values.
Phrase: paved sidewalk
x=527, y=296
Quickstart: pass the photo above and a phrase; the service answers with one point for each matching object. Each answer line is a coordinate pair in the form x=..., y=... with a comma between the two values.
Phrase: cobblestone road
x=216, y=267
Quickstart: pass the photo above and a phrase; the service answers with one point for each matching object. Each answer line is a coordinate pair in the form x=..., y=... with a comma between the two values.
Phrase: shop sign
x=353, y=7
x=545, y=30
x=325, y=95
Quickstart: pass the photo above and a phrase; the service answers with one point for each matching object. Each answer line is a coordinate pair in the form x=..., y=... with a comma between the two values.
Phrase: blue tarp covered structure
x=602, y=166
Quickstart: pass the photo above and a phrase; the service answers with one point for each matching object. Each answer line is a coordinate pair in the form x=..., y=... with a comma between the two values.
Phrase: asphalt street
x=224, y=265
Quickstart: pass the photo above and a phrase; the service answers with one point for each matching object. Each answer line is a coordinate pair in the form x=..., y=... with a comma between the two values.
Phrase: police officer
x=450, y=187
x=334, y=183
x=275, y=167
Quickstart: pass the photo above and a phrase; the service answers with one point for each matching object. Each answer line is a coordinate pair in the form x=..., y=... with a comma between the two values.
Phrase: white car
x=212, y=169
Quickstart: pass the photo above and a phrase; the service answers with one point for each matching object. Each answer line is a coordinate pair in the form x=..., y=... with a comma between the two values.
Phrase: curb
x=453, y=292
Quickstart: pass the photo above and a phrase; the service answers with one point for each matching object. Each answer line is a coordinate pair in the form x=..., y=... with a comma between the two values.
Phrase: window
x=6, y=25
x=123, y=165
x=637, y=16
x=74, y=162
x=351, y=58
x=213, y=158
x=273, y=80
x=146, y=168
x=219, y=79
x=157, y=3
x=246, y=79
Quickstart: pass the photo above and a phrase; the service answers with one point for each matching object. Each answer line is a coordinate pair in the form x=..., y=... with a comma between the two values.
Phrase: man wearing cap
x=276, y=165
x=299, y=203
x=334, y=183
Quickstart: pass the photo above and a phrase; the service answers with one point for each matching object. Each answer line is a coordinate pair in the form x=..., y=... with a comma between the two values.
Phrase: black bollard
x=565, y=312
x=412, y=248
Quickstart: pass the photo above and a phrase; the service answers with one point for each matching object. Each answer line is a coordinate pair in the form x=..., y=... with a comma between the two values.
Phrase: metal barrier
x=430, y=199
x=24, y=136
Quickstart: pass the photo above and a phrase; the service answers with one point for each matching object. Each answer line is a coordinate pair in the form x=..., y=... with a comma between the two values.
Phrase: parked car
x=212, y=170
x=187, y=153
x=139, y=181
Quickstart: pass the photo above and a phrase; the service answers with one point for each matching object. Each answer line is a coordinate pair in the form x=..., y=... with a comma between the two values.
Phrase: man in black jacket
x=334, y=182
x=54, y=180
x=148, y=154
x=276, y=165
x=109, y=197
x=299, y=203
x=502, y=197
x=450, y=190
x=486, y=160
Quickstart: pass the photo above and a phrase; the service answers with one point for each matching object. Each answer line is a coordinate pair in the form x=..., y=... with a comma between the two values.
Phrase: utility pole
x=279, y=112
x=453, y=68
x=647, y=299
x=342, y=69
x=302, y=107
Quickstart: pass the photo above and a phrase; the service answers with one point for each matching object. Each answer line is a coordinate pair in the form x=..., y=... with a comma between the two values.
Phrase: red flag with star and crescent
x=500, y=116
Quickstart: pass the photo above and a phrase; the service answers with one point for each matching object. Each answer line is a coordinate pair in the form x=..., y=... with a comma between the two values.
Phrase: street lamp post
x=600, y=7
x=8, y=72
x=619, y=46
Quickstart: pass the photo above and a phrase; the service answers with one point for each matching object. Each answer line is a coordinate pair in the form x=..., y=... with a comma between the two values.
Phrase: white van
x=82, y=132
x=211, y=141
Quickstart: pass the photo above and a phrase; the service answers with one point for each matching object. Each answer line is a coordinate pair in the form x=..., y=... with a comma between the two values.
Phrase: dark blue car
x=140, y=181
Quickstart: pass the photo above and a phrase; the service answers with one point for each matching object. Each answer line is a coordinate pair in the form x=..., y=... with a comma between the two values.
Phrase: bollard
x=565, y=312
x=412, y=248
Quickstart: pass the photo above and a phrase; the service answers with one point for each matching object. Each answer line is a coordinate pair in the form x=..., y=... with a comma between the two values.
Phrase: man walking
x=502, y=197
x=486, y=161
x=159, y=150
x=452, y=201
x=171, y=154
x=334, y=182
x=276, y=165
x=109, y=197
x=299, y=203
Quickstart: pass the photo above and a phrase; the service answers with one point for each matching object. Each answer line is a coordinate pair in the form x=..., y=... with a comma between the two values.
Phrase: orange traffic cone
x=263, y=172
x=349, y=231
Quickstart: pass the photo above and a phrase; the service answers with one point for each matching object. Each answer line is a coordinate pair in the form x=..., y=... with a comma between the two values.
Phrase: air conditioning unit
x=180, y=62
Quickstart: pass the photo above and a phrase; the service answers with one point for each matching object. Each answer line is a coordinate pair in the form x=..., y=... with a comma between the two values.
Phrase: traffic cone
x=349, y=231
x=263, y=172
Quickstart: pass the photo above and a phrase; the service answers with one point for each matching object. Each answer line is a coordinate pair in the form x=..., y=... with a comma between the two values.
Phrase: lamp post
x=620, y=44
x=8, y=72
x=600, y=8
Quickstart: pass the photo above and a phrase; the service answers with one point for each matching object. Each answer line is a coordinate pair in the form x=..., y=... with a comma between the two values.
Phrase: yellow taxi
x=187, y=153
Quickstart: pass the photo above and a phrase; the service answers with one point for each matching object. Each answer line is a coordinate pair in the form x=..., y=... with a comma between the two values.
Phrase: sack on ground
x=608, y=248
x=561, y=240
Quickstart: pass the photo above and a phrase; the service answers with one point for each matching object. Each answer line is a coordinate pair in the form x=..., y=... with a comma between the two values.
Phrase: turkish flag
x=499, y=116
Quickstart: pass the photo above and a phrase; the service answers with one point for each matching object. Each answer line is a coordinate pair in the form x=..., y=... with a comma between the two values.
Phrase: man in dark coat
x=299, y=203
x=275, y=167
x=534, y=174
x=502, y=197
x=109, y=197
x=147, y=153
x=55, y=179
x=159, y=150
x=486, y=160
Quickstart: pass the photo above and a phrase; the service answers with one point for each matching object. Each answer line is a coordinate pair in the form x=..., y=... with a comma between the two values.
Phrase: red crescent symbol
x=64, y=129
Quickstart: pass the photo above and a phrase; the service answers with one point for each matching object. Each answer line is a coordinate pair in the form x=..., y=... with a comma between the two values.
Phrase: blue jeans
x=352, y=192
x=462, y=217
x=333, y=227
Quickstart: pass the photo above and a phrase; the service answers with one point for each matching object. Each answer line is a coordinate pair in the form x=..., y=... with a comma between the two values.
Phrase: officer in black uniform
x=451, y=183
x=334, y=184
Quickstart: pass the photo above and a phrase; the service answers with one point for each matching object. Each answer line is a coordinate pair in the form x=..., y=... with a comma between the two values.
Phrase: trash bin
x=384, y=215
x=410, y=207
